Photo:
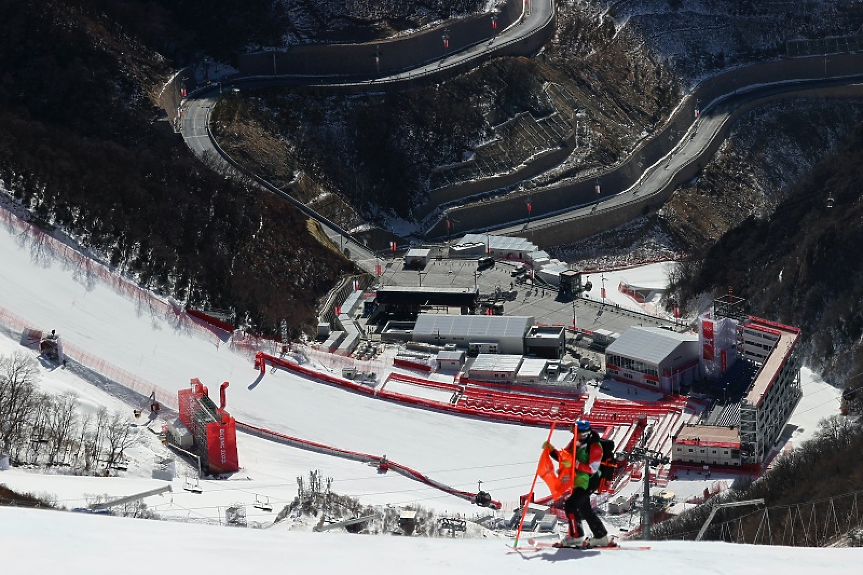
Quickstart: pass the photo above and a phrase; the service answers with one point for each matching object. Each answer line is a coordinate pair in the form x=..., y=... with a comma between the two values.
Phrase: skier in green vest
x=588, y=456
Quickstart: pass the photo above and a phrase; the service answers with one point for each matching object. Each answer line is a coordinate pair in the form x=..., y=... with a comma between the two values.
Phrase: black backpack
x=609, y=464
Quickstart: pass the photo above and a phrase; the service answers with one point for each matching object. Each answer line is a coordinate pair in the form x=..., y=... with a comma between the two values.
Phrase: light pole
x=421, y=274
x=603, y=289
x=529, y=207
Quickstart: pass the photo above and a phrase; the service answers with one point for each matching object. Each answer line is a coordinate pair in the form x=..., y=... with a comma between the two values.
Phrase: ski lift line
x=292, y=482
x=835, y=399
x=352, y=455
x=820, y=389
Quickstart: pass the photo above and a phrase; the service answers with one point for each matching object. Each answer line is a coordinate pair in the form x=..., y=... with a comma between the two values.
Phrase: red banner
x=707, y=329
x=222, y=446
x=707, y=336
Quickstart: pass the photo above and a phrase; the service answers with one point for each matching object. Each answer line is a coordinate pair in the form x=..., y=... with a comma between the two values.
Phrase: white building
x=775, y=392
x=765, y=407
x=495, y=368
x=475, y=333
x=532, y=370
x=450, y=360
x=417, y=258
x=654, y=358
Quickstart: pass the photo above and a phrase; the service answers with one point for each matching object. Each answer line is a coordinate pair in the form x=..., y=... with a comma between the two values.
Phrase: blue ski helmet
x=581, y=426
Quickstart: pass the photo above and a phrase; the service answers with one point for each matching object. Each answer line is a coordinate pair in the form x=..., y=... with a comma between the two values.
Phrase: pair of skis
x=536, y=545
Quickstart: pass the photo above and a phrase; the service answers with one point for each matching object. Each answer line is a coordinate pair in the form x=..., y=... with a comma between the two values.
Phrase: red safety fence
x=542, y=409
x=425, y=382
x=89, y=270
x=409, y=364
x=221, y=324
x=520, y=413
x=534, y=389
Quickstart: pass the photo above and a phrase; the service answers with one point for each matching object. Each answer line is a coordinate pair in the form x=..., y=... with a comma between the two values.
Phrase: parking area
x=519, y=296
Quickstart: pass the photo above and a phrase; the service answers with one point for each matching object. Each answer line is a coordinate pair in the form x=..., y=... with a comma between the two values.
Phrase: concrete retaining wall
x=395, y=54
x=553, y=199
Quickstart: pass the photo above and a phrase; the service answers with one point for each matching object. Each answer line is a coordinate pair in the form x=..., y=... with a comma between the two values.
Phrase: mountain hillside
x=83, y=149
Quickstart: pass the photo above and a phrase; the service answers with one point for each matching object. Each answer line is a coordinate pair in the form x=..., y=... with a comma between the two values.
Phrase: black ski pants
x=577, y=508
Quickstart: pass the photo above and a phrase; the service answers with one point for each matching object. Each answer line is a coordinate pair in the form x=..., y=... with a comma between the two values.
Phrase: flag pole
x=530, y=495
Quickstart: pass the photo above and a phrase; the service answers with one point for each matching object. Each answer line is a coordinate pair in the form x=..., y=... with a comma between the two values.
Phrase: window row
x=632, y=364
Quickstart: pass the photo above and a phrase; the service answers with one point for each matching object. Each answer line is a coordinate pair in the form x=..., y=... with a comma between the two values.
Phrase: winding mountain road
x=568, y=211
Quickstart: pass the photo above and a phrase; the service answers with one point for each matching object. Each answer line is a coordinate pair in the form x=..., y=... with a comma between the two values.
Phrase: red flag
x=337, y=309
x=603, y=293
x=393, y=246
x=378, y=269
x=597, y=189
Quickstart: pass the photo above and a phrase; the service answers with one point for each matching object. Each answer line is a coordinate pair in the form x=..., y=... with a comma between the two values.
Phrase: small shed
x=180, y=434
x=450, y=360
x=408, y=521
x=619, y=505
x=547, y=523
x=417, y=258
x=532, y=370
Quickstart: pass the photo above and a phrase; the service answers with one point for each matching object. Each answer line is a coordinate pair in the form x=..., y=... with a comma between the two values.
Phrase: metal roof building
x=495, y=368
x=505, y=334
x=654, y=357
x=532, y=370
x=429, y=295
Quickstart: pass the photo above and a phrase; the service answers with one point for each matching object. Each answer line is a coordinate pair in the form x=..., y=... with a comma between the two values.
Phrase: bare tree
x=120, y=435
x=39, y=426
x=62, y=419
x=19, y=375
x=81, y=443
x=95, y=441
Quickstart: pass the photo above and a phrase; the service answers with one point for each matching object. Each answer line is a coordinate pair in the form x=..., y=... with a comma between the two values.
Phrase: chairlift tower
x=651, y=458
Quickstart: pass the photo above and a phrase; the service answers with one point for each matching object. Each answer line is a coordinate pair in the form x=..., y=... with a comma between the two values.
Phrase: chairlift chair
x=263, y=503
x=192, y=485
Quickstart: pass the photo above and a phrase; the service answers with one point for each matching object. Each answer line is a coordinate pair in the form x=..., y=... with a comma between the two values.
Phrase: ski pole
x=530, y=495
